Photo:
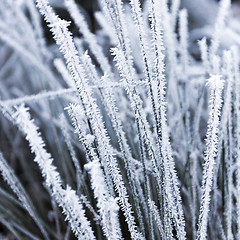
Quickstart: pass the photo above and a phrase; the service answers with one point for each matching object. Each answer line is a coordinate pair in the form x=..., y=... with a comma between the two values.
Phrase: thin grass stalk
x=205, y=55
x=79, y=174
x=235, y=51
x=175, y=5
x=12, y=180
x=228, y=144
x=155, y=212
x=183, y=30
x=170, y=44
x=107, y=205
x=216, y=85
x=9, y=226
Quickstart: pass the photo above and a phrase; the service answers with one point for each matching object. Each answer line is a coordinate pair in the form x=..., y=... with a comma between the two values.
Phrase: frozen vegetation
x=121, y=122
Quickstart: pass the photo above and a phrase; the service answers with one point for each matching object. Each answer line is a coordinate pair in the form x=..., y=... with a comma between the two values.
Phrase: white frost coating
x=216, y=85
x=67, y=199
x=107, y=205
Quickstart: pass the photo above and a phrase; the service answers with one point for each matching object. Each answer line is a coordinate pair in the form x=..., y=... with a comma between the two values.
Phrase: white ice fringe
x=66, y=198
x=107, y=205
x=216, y=85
